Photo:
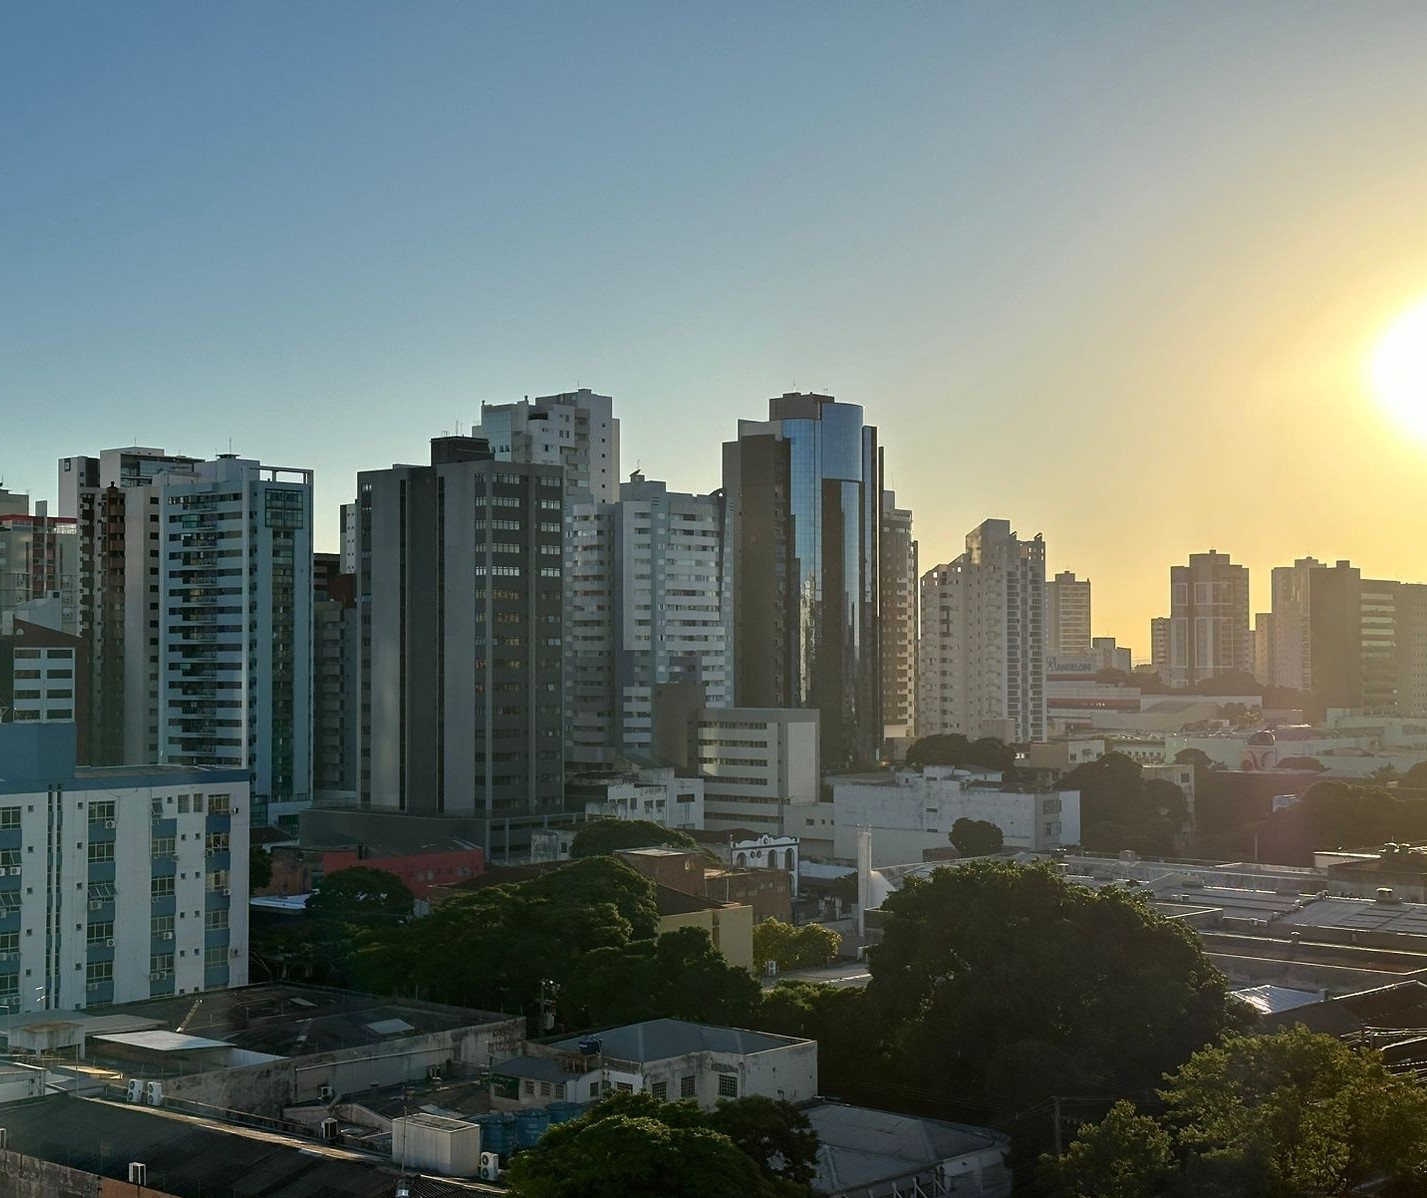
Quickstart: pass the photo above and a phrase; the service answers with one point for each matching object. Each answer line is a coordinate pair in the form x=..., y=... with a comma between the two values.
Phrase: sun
x=1399, y=369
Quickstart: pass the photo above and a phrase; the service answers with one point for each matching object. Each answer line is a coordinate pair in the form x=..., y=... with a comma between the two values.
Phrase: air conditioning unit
x=167, y=936
x=95, y=904
x=93, y=986
x=109, y=823
x=227, y=893
x=134, y=1091
x=4, y=1139
x=138, y=1173
x=109, y=943
x=433, y=1073
x=237, y=952
x=490, y=1166
x=328, y=1129
x=326, y=1094
x=15, y=871
x=154, y=1093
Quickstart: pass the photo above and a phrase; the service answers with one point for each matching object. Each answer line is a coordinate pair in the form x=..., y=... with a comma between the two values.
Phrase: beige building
x=1067, y=616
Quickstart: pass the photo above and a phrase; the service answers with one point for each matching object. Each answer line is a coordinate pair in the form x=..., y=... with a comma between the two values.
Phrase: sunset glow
x=1399, y=369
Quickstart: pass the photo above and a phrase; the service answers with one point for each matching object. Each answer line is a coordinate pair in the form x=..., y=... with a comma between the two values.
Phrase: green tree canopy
x=631, y=1145
x=976, y=837
x=1288, y=1115
x=362, y=896
x=681, y=975
x=1198, y=758
x=792, y=947
x=1416, y=777
x=493, y=947
x=602, y=836
x=1125, y=1155
x=954, y=749
x=977, y=960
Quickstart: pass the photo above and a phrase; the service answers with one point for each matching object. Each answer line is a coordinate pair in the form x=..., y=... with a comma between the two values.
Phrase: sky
x=1111, y=271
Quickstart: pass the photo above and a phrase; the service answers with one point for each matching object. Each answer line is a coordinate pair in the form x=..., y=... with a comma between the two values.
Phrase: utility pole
x=1055, y=1105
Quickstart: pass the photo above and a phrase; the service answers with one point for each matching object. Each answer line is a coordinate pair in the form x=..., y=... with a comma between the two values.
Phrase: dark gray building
x=336, y=637
x=459, y=599
x=803, y=494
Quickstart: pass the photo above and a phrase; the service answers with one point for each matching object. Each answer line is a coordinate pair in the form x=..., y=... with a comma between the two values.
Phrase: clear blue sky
x=1106, y=270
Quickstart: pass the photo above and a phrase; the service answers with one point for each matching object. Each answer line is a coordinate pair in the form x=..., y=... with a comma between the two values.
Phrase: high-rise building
x=1159, y=645
x=803, y=496
x=1067, y=616
x=1283, y=642
x=983, y=649
x=897, y=581
x=1109, y=655
x=196, y=603
x=576, y=431
x=145, y=894
x=1208, y=619
x=460, y=600
x=336, y=637
x=39, y=561
x=644, y=608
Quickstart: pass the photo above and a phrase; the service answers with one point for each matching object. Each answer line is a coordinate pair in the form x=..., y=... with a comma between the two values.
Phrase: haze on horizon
x=1111, y=272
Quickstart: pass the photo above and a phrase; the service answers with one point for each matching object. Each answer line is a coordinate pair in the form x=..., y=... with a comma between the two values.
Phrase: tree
x=1259, y=1116
x=492, y=948
x=794, y=948
x=775, y=1135
x=1302, y=763
x=952, y=748
x=1125, y=1155
x=1306, y=1110
x=1416, y=777
x=361, y=896
x=632, y=1144
x=975, y=837
x=260, y=867
x=1198, y=758
x=978, y=960
x=617, y=1156
x=678, y=976
x=603, y=836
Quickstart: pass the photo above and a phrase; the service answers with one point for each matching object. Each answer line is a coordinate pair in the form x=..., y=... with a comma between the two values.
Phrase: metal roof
x=859, y=1146
x=660, y=1039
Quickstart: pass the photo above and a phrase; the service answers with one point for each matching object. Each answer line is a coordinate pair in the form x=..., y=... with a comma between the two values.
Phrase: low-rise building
x=767, y=891
x=668, y=1059
x=655, y=794
x=912, y=813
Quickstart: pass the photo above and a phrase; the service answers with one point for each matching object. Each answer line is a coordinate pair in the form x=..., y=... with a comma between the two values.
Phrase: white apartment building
x=911, y=813
x=39, y=561
x=1067, y=616
x=982, y=655
x=1282, y=643
x=196, y=606
x=116, y=884
x=235, y=624
x=656, y=795
x=644, y=593
x=757, y=763
x=576, y=431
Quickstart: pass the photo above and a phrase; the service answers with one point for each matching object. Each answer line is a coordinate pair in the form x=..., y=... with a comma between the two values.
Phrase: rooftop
x=660, y=1039
x=188, y=1157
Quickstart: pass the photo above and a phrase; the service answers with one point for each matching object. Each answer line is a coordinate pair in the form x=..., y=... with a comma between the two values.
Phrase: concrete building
x=803, y=494
x=1110, y=656
x=668, y=1059
x=756, y=763
x=983, y=640
x=39, y=559
x=1067, y=615
x=151, y=867
x=897, y=579
x=576, y=431
x=768, y=892
x=1208, y=620
x=911, y=814
x=43, y=679
x=657, y=795
x=195, y=599
x=460, y=599
x=1159, y=645
x=645, y=578
x=336, y=662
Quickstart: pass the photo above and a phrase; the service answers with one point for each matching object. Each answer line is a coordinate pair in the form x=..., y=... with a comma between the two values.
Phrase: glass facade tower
x=803, y=498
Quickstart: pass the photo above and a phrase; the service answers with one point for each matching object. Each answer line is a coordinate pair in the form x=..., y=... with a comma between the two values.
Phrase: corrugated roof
x=859, y=1146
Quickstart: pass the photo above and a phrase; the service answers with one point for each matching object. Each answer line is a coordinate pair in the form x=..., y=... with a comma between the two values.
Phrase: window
x=9, y=819
x=101, y=932
x=215, y=920
x=162, y=846
x=624, y=1087
x=101, y=850
x=160, y=966
x=162, y=925
x=686, y=1086
x=161, y=887
x=215, y=958
x=98, y=972
x=594, y=1089
x=544, y=1089
x=727, y=1085
x=101, y=813
x=183, y=804
x=219, y=804
x=528, y=1087
x=659, y=1091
